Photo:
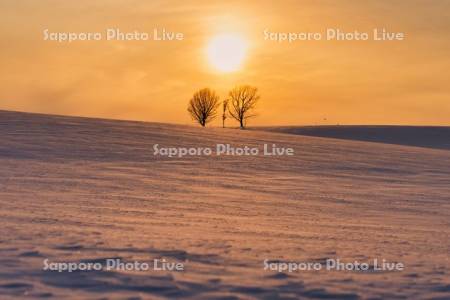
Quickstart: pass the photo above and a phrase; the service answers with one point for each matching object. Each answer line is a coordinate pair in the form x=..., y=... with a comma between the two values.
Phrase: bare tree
x=203, y=106
x=242, y=100
x=224, y=112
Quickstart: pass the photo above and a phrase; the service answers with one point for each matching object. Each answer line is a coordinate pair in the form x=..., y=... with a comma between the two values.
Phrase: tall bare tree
x=203, y=106
x=242, y=100
x=224, y=112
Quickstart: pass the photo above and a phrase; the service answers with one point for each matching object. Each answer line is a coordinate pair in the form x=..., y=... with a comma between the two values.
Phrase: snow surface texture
x=79, y=189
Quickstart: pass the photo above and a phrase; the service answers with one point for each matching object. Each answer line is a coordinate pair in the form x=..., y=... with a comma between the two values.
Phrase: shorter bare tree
x=224, y=112
x=243, y=101
x=203, y=106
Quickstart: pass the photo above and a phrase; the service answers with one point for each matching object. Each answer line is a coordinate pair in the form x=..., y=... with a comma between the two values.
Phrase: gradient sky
x=310, y=82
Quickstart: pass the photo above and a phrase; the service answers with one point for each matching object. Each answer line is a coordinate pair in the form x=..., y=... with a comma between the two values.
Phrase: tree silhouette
x=224, y=112
x=242, y=100
x=203, y=106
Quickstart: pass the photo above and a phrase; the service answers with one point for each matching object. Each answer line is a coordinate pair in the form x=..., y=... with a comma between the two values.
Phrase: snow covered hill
x=86, y=190
x=437, y=137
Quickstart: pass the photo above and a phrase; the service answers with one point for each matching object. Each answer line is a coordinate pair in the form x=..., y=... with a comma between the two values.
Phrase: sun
x=226, y=52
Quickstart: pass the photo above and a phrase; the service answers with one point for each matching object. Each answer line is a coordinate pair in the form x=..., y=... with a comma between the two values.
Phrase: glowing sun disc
x=226, y=52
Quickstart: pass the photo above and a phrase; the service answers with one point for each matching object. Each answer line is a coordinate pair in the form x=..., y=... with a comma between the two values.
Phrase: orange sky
x=308, y=82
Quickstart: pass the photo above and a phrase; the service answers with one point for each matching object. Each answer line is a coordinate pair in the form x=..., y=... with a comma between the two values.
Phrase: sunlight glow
x=226, y=52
